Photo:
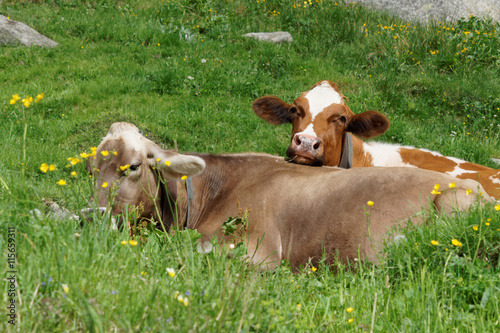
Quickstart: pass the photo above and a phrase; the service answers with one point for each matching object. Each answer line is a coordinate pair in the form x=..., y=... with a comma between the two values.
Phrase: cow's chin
x=305, y=159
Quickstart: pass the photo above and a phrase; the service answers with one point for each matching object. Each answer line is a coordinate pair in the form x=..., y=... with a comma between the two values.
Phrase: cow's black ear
x=368, y=124
x=273, y=110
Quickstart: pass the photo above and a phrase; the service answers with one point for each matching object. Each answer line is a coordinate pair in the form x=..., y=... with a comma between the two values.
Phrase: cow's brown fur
x=294, y=214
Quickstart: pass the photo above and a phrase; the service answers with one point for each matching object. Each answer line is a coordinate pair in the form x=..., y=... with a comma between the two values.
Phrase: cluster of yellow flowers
x=27, y=100
x=131, y=242
x=44, y=167
x=181, y=299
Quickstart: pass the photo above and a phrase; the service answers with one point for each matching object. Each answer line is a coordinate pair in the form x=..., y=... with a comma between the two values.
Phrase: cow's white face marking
x=320, y=97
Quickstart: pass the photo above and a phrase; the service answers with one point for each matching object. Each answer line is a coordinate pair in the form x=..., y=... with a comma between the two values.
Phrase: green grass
x=141, y=62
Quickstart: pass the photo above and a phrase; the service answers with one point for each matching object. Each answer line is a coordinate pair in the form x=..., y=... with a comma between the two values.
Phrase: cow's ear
x=273, y=110
x=368, y=124
x=178, y=166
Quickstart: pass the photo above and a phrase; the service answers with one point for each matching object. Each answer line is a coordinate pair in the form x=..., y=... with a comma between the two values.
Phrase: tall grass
x=183, y=73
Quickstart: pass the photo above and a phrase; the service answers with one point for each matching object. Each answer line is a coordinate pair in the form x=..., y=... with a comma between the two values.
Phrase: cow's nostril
x=297, y=140
x=316, y=145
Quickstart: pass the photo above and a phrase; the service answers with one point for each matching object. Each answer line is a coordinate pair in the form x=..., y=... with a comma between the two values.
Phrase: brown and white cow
x=293, y=214
x=321, y=120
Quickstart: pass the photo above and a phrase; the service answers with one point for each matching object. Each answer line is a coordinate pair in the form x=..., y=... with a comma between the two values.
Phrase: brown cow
x=293, y=214
x=321, y=120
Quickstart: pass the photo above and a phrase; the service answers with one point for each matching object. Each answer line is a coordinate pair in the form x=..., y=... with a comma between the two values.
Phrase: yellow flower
x=487, y=223
x=497, y=207
x=16, y=97
x=65, y=288
x=144, y=273
x=74, y=160
x=124, y=167
x=115, y=153
x=105, y=184
x=370, y=203
x=171, y=271
x=167, y=163
x=62, y=182
x=39, y=97
x=124, y=242
x=84, y=155
x=73, y=173
x=434, y=192
x=104, y=153
x=133, y=242
x=184, y=177
x=299, y=306
x=93, y=149
x=186, y=301
x=452, y=185
x=456, y=242
x=469, y=191
x=158, y=159
x=52, y=167
x=350, y=320
x=349, y=309
x=436, y=187
x=180, y=298
x=314, y=269
x=12, y=101
x=44, y=167
x=475, y=227
x=434, y=242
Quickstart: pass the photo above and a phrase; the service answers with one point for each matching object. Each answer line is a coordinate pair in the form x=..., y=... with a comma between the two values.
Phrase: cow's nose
x=307, y=143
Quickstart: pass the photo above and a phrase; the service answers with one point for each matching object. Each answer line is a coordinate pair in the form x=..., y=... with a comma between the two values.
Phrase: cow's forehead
x=129, y=135
x=322, y=96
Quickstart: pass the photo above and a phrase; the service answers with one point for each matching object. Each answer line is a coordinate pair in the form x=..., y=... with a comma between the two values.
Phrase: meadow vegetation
x=182, y=72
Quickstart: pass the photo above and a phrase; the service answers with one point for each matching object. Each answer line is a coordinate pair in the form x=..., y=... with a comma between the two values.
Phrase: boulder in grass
x=274, y=37
x=13, y=32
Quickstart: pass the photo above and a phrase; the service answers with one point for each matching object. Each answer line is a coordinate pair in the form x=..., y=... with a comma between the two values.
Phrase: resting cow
x=321, y=122
x=293, y=214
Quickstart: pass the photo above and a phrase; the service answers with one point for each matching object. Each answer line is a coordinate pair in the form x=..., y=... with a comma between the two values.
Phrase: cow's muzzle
x=306, y=149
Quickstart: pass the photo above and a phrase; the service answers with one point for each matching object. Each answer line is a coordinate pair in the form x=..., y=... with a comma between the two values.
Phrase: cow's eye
x=293, y=110
x=134, y=167
x=343, y=119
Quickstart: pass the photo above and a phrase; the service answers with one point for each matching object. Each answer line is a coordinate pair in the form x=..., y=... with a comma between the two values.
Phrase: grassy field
x=182, y=72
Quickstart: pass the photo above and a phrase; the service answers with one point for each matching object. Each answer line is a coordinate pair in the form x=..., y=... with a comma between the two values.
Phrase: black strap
x=346, y=159
x=189, y=189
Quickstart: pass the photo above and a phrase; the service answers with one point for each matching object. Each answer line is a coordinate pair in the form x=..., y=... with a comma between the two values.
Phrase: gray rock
x=54, y=211
x=437, y=10
x=274, y=37
x=13, y=32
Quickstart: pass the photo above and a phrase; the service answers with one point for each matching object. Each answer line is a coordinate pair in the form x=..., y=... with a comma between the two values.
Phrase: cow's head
x=320, y=118
x=127, y=167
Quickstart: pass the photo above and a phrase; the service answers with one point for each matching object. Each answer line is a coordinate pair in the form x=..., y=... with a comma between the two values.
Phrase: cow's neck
x=360, y=157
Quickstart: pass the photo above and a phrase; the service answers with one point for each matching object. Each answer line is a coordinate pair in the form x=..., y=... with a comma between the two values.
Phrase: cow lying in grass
x=321, y=121
x=293, y=214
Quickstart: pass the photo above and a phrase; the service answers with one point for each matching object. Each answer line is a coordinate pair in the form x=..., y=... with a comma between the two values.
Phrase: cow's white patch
x=495, y=179
x=320, y=97
x=385, y=154
x=457, y=171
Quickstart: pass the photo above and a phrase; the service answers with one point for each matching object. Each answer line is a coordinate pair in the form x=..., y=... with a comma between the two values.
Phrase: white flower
x=203, y=61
